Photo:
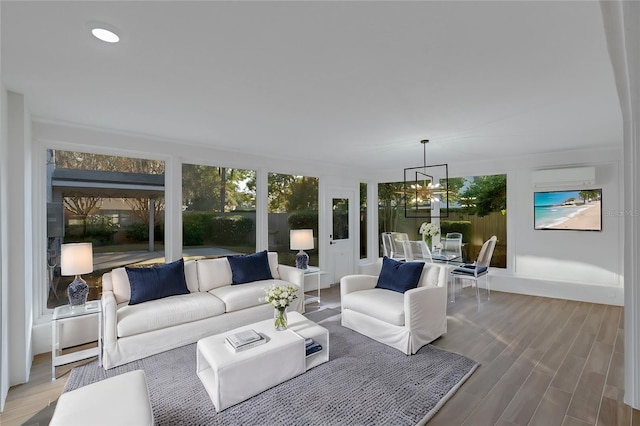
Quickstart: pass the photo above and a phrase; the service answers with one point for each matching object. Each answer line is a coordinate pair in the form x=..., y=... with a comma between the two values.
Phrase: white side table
x=60, y=315
x=314, y=270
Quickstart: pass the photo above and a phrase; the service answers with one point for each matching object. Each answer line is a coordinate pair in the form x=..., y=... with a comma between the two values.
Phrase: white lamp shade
x=301, y=239
x=76, y=259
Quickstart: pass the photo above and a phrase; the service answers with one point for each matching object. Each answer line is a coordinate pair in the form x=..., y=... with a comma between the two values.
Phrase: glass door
x=341, y=237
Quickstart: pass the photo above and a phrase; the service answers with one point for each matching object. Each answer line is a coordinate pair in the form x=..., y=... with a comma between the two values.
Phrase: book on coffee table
x=244, y=340
x=245, y=346
x=311, y=347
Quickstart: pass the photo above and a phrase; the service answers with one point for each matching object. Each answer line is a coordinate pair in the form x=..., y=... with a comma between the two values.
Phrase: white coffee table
x=231, y=378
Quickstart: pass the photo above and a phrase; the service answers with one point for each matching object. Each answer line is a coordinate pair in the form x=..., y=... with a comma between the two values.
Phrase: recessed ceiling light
x=105, y=35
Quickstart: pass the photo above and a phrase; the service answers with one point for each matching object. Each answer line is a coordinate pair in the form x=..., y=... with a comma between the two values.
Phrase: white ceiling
x=348, y=83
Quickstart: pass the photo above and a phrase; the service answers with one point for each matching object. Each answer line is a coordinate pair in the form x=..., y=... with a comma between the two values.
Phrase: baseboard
x=592, y=293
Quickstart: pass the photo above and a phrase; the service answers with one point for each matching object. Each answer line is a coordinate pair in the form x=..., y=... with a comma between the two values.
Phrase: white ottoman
x=231, y=378
x=308, y=329
x=128, y=403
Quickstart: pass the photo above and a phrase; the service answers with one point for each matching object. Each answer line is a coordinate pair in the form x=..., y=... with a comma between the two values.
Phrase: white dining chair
x=476, y=270
x=393, y=244
x=417, y=251
x=453, y=243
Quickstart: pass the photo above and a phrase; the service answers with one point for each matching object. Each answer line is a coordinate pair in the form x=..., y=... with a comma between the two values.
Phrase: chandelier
x=426, y=189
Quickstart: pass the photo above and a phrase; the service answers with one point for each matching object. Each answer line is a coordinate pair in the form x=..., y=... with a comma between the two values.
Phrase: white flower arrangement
x=429, y=229
x=280, y=296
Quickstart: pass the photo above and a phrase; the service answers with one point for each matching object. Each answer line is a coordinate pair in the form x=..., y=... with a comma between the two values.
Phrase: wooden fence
x=483, y=228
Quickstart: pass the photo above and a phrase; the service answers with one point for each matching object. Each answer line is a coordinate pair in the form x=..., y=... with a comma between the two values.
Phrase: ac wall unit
x=575, y=176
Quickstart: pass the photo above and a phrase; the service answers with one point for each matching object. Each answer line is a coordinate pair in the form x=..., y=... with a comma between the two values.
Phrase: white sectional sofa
x=213, y=305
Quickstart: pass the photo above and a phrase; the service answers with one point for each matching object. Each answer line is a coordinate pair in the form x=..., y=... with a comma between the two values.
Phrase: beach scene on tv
x=574, y=210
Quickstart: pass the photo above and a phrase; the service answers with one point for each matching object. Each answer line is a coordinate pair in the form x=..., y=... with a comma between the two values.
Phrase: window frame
x=41, y=313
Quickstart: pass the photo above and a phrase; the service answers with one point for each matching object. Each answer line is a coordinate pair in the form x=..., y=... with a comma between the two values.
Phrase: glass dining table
x=446, y=257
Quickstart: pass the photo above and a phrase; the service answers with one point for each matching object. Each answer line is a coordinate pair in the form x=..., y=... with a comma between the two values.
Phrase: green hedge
x=98, y=229
x=137, y=232
x=192, y=229
x=140, y=232
x=201, y=228
x=229, y=229
x=304, y=220
x=462, y=226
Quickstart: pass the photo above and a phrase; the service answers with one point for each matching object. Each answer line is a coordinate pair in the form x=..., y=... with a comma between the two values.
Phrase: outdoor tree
x=279, y=189
x=455, y=184
x=82, y=207
x=107, y=163
x=141, y=209
x=363, y=196
x=487, y=194
x=303, y=194
x=233, y=195
x=207, y=188
x=391, y=203
x=199, y=187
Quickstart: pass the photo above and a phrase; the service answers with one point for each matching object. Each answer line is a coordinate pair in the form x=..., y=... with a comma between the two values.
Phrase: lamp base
x=302, y=260
x=78, y=291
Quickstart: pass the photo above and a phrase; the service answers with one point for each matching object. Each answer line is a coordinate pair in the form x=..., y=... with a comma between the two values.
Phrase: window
x=340, y=218
x=116, y=203
x=477, y=209
x=293, y=204
x=391, y=216
x=219, y=211
x=363, y=220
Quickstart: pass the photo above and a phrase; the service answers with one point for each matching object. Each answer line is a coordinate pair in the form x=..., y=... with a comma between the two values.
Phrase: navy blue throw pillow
x=250, y=268
x=157, y=282
x=399, y=276
x=470, y=269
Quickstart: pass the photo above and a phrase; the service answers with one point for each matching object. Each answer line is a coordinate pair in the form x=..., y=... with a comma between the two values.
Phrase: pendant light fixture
x=426, y=189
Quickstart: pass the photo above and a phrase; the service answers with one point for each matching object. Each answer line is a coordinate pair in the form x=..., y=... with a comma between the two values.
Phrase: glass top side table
x=62, y=313
x=313, y=270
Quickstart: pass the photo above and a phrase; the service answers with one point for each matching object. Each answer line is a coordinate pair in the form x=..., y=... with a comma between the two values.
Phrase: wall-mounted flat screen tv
x=579, y=210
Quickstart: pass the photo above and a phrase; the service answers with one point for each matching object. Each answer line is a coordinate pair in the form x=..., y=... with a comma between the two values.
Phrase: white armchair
x=405, y=321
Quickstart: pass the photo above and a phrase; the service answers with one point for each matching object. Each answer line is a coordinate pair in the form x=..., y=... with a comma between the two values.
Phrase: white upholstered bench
x=231, y=378
x=128, y=398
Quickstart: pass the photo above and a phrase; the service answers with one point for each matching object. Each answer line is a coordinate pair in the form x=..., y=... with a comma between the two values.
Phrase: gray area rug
x=364, y=383
x=322, y=314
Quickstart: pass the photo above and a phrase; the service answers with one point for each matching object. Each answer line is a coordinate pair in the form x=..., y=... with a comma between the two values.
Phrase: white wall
x=570, y=256
x=4, y=334
x=4, y=279
x=19, y=234
x=578, y=265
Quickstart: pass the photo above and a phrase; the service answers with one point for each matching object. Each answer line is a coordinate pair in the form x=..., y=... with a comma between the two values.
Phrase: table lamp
x=77, y=259
x=301, y=239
